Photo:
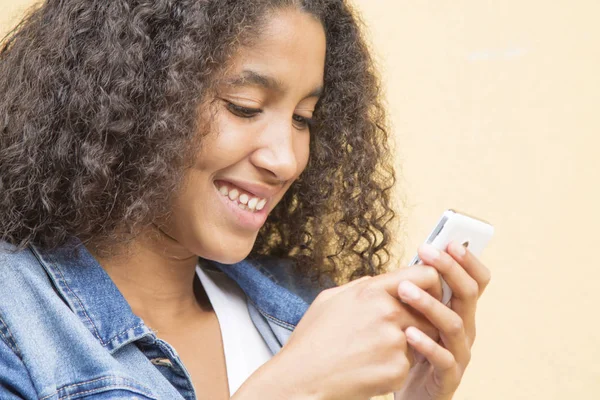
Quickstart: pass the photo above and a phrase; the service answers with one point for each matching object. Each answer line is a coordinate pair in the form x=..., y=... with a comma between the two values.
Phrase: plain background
x=494, y=106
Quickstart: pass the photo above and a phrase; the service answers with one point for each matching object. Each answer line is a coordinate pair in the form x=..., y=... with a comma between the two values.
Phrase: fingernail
x=413, y=335
x=429, y=252
x=409, y=291
x=459, y=249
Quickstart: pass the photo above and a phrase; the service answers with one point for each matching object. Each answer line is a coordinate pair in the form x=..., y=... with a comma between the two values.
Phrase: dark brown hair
x=99, y=114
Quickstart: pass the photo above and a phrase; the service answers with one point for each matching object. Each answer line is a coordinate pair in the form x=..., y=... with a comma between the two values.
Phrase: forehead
x=254, y=78
x=289, y=51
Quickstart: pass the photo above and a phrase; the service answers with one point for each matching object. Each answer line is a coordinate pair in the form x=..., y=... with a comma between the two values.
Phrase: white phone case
x=454, y=226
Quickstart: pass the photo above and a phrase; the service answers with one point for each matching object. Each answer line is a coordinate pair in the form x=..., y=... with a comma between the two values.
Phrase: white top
x=245, y=349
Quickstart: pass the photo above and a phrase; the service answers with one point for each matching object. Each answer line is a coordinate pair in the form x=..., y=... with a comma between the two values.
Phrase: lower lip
x=244, y=218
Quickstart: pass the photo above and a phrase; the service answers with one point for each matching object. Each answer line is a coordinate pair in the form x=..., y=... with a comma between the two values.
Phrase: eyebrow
x=253, y=78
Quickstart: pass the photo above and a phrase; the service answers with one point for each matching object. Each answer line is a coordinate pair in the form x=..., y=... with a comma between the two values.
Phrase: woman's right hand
x=350, y=344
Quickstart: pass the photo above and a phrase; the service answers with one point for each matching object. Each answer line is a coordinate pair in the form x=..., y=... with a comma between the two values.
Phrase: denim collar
x=92, y=295
x=276, y=300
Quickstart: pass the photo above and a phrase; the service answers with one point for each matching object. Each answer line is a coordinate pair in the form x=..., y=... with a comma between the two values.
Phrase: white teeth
x=233, y=194
x=252, y=203
x=243, y=200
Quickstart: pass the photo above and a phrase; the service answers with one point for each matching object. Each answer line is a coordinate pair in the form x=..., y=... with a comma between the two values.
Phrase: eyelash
x=245, y=112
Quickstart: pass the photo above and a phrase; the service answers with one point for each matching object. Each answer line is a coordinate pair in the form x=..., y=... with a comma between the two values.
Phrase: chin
x=229, y=258
x=228, y=250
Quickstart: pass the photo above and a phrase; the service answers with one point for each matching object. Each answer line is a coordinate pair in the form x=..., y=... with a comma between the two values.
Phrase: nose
x=277, y=151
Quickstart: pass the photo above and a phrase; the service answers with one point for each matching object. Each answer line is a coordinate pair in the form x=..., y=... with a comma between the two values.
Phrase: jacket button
x=163, y=362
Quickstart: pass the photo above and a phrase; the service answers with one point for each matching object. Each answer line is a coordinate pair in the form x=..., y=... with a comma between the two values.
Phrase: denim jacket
x=67, y=332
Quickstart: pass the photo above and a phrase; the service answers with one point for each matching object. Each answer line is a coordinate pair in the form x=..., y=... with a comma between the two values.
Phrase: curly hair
x=99, y=118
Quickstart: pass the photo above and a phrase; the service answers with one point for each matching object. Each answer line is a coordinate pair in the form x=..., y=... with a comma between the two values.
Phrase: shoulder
x=27, y=301
x=10, y=255
x=28, y=297
x=15, y=382
x=26, y=282
x=44, y=341
x=21, y=272
x=13, y=373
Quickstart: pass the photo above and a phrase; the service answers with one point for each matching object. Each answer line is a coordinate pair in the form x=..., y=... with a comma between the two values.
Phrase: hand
x=350, y=344
x=437, y=375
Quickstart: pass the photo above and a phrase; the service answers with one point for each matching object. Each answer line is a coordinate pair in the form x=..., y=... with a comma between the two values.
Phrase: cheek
x=303, y=152
x=192, y=197
x=226, y=144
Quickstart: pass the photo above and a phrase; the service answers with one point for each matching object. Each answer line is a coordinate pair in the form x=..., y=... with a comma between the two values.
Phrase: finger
x=463, y=286
x=465, y=290
x=425, y=277
x=471, y=264
x=442, y=360
x=449, y=323
x=411, y=355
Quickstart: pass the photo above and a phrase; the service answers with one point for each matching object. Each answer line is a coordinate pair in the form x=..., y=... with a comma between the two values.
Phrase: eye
x=242, y=112
x=302, y=123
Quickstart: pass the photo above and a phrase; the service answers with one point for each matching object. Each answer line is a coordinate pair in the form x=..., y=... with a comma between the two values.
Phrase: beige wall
x=494, y=110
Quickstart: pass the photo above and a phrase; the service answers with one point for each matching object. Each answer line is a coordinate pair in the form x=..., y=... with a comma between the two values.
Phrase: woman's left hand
x=441, y=365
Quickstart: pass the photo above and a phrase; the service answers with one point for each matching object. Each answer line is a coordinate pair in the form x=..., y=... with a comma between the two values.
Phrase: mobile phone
x=472, y=232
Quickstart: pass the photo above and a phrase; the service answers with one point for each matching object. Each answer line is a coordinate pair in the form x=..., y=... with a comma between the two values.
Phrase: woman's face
x=259, y=143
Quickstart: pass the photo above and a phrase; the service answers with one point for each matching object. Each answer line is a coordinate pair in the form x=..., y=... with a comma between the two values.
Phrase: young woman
x=195, y=204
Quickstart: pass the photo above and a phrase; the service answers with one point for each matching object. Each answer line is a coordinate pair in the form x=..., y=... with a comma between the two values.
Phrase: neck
x=157, y=277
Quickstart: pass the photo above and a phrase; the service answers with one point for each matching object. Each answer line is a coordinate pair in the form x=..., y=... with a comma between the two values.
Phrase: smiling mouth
x=244, y=200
